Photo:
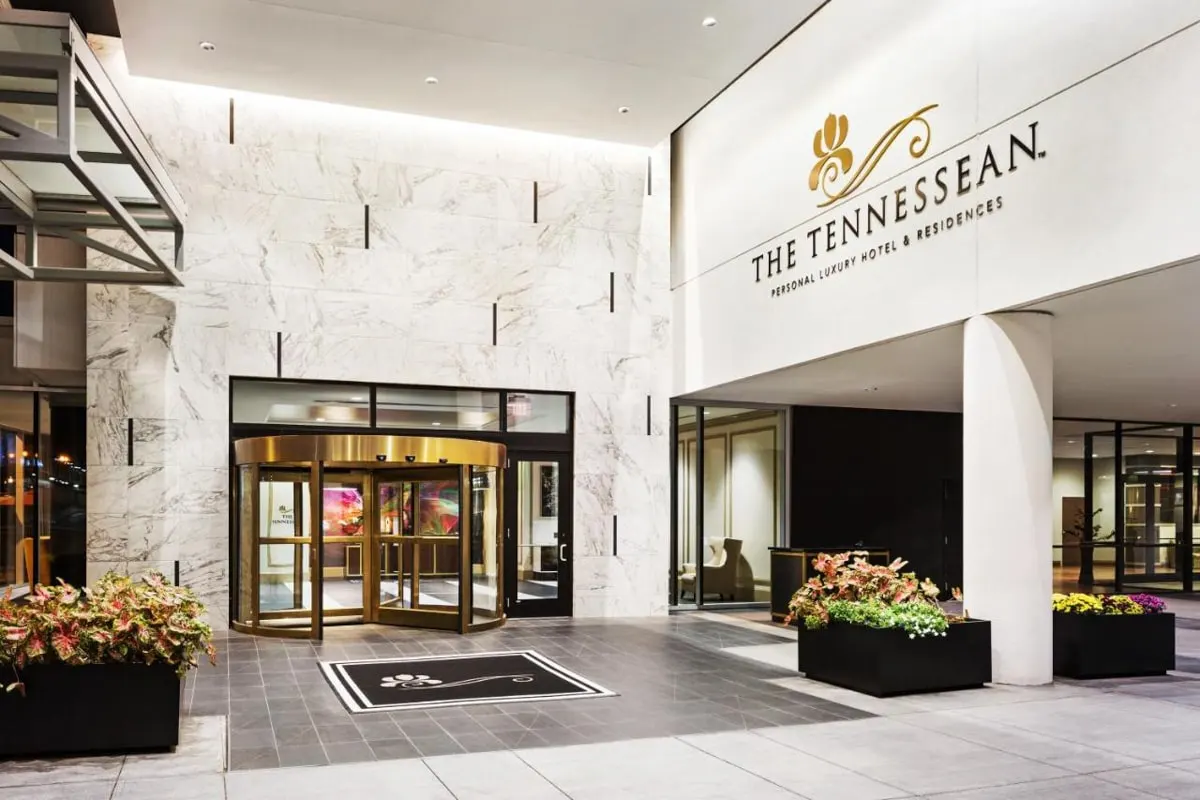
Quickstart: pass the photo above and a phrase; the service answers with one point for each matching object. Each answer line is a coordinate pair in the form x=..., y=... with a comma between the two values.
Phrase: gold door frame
x=364, y=456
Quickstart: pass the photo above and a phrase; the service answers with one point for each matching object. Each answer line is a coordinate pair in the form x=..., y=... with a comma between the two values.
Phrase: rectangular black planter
x=101, y=708
x=884, y=663
x=1113, y=646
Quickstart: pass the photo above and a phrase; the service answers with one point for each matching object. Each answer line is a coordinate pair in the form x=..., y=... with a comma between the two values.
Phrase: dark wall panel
x=889, y=479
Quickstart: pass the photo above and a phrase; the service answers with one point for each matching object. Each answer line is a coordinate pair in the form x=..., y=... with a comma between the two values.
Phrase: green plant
x=851, y=577
x=119, y=620
x=915, y=619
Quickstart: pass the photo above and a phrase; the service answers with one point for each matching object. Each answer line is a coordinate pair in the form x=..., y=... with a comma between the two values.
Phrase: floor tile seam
x=539, y=773
x=757, y=732
x=1024, y=730
x=954, y=793
x=1100, y=777
x=437, y=778
x=741, y=768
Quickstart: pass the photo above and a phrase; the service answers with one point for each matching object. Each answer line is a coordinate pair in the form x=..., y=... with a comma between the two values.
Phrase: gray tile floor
x=670, y=675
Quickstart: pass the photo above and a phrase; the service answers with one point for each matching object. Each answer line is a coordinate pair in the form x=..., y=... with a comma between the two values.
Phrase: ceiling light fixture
x=709, y=22
x=1149, y=452
x=320, y=419
x=1070, y=441
x=207, y=47
x=623, y=110
x=431, y=80
x=437, y=424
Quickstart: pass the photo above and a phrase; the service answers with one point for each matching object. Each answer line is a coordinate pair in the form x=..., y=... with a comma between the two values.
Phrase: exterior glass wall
x=43, y=488
x=729, y=501
x=1126, y=503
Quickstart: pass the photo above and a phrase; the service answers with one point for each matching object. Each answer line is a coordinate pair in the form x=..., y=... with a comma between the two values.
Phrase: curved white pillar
x=1008, y=382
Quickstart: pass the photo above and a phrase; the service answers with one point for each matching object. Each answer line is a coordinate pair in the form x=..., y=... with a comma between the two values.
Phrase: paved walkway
x=1119, y=740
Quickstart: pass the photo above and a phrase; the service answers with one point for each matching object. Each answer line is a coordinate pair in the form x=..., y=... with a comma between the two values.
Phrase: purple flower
x=1149, y=603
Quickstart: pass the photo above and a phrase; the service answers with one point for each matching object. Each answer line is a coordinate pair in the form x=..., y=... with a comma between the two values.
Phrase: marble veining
x=277, y=251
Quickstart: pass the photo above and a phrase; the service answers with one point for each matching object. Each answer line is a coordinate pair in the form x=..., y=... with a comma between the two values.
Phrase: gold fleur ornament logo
x=835, y=161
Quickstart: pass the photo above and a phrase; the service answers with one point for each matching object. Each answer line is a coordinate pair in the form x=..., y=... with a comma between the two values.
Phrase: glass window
x=1152, y=488
x=685, y=505
x=730, y=501
x=1083, y=552
x=529, y=412
x=448, y=409
x=485, y=545
x=316, y=404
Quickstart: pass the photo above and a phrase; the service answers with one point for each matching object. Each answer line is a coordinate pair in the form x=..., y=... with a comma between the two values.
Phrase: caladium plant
x=852, y=578
x=119, y=620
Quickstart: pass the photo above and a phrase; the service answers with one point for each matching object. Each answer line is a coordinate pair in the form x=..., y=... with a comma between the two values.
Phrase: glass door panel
x=284, y=554
x=485, y=545
x=538, y=537
x=342, y=542
x=414, y=561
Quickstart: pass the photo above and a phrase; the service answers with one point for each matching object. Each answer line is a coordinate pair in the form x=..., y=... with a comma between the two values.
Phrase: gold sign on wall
x=835, y=161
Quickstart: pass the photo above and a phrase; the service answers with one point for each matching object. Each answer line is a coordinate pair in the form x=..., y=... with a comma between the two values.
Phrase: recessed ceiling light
x=320, y=419
x=358, y=398
x=709, y=22
x=623, y=110
x=1150, y=452
x=437, y=424
x=431, y=80
x=207, y=47
x=1174, y=405
x=1070, y=441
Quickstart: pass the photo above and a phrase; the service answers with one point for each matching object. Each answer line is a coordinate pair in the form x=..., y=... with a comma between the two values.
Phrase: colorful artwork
x=395, y=508
x=439, y=508
x=342, y=511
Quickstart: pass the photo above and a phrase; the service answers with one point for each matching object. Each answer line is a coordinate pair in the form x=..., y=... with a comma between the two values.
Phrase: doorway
x=325, y=538
x=538, y=535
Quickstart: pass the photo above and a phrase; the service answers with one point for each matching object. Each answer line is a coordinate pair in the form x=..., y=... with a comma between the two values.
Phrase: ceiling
x=1127, y=350
x=556, y=66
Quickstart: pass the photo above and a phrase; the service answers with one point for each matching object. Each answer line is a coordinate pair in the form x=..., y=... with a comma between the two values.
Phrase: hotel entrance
x=342, y=529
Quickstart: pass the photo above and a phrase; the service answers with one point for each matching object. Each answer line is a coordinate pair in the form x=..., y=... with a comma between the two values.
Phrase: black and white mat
x=399, y=684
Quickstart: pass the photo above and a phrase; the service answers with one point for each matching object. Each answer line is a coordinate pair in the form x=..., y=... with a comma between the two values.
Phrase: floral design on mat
x=407, y=681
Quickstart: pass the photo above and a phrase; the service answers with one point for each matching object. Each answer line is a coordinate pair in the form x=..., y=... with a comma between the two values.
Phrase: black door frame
x=563, y=604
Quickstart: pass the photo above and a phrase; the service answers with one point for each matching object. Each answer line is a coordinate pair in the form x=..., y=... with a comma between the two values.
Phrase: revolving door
x=342, y=529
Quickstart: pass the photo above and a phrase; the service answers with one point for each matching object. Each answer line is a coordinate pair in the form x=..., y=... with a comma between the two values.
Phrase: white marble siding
x=275, y=246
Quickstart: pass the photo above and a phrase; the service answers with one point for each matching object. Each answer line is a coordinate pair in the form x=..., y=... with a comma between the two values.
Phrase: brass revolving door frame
x=378, y=461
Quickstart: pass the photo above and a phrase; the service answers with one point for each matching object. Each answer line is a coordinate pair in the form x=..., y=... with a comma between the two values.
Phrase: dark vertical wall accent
x=535, y=201
x=649, y=417
x=649, y=176
x=367, y=226
x=278, y=354
x=614, y=534
x=612, y=292
x=495, y=323
x=129, y=441
x=890, y=479
x=231, y=120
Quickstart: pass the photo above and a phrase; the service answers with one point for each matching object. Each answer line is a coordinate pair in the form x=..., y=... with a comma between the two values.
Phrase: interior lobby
x=493, y=373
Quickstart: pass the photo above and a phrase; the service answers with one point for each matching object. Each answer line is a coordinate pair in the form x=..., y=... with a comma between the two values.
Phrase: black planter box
x=102, y=708
x=884, y=663
x=1113, y=646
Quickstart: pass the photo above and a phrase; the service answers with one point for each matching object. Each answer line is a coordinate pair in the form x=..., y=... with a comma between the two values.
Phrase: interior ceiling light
x=356, y=398
x=207, y=47
x=709, y=22
x=432, y=80
x=623, y=110
x=1149, y=452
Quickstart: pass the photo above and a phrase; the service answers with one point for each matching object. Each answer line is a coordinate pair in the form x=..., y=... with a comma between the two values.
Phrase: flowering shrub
x=1110, y=604
x=120, y=620
x=848, y=588
x=1149, y=603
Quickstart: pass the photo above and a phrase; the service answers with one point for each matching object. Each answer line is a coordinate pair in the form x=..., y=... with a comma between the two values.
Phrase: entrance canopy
x=73, y=162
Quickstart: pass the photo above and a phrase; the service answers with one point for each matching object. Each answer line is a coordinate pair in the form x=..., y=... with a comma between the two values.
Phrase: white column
x=1008, y=382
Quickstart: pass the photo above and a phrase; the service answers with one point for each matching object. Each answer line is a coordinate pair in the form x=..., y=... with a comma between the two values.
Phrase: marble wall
x=275, y=244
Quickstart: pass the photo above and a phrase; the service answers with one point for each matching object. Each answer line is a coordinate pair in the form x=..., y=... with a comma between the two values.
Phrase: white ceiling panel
x=556, y=66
